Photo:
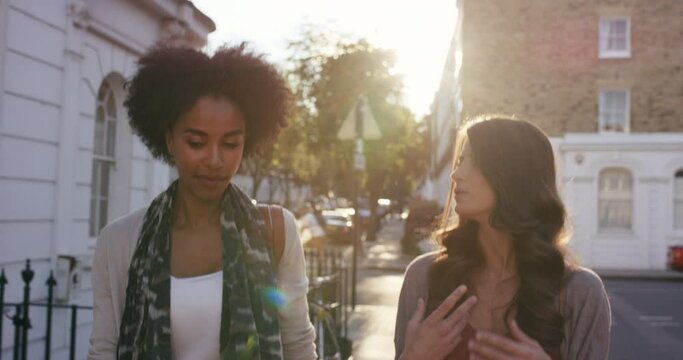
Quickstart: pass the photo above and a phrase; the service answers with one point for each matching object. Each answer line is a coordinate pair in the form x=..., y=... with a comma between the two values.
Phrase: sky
x=419, y=31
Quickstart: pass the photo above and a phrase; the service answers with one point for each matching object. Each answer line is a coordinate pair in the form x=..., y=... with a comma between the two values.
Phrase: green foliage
x=327, y=74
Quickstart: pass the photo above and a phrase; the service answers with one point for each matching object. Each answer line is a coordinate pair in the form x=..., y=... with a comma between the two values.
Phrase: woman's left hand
x=490, y=346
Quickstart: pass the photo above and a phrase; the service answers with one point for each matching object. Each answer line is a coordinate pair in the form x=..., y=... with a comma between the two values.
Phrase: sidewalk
x=380, y=276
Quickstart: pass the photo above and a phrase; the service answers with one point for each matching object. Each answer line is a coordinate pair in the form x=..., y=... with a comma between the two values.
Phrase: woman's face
x=474, y=196
x=206, y=145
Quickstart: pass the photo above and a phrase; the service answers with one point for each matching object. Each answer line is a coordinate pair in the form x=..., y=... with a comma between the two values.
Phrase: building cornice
x=622, y=142
x=196, y=25
x=97, y=27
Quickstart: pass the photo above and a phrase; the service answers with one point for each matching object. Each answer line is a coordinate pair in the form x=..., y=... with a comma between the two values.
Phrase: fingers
x=482, y=350
x=462, y=312
x=518, y=334
x=500, y=342
x=446, y=306
x=413, y=324
x=418, y=314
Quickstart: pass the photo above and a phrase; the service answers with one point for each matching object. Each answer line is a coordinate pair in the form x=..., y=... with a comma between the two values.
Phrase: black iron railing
x=330, y=289
x=21, y=318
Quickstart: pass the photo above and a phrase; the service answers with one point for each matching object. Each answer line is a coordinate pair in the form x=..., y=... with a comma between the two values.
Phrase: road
x=647, y=314
x=647, y=319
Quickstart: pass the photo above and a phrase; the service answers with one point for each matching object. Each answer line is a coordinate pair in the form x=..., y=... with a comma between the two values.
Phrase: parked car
x=338, y=225
x=420, y=222
x=675, y=257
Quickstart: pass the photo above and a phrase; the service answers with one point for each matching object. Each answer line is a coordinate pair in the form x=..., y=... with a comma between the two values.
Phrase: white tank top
x=196, y=316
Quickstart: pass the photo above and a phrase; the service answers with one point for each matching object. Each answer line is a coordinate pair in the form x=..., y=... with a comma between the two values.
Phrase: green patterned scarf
x=249, y=324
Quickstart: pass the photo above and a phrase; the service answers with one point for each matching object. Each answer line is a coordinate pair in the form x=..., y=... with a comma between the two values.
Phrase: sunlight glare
x=419, y=31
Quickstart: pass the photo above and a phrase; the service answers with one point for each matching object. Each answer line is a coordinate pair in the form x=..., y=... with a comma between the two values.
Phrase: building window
x=615, y=37
x=103, y=157
x=678, y=200
x=614, y=110
x=615, y=200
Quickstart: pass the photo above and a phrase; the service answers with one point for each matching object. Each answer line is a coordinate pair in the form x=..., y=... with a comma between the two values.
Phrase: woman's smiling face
x=207, y=144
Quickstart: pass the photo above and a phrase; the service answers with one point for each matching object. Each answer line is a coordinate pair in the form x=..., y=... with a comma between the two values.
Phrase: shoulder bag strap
x=275, y=226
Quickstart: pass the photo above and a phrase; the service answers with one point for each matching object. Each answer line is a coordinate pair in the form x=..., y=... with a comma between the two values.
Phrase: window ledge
x=611, y=132
x=615, y=55
x=621, y=234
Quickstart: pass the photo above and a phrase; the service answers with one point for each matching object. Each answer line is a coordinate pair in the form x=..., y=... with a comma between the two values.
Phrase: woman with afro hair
x=200, y=273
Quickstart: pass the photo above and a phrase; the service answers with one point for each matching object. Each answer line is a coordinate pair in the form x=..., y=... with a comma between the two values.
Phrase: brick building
x=605, y=80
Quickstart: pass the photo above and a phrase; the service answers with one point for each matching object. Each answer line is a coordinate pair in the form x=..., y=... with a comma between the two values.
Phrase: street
x=647, y=315
x=646, y=319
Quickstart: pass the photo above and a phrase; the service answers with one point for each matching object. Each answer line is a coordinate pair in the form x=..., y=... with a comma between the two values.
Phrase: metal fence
x=330, y=290
x=329, y=300
x=21, y=317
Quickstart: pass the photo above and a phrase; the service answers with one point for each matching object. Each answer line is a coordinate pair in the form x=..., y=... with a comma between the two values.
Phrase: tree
x=328, y=73
x=258, y=167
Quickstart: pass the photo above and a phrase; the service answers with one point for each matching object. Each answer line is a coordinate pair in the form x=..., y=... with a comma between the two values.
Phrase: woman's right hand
x=436, y=336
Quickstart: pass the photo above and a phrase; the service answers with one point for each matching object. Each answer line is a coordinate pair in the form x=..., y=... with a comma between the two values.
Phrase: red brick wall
x=538, y=59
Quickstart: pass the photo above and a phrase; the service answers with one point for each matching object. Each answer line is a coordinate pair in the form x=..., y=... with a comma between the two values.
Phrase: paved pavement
x=380, y=276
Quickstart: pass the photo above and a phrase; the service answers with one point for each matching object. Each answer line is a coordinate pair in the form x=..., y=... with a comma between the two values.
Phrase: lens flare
x=277, y=298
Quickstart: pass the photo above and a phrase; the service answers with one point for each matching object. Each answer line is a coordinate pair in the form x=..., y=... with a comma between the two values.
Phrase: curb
x=645, y=275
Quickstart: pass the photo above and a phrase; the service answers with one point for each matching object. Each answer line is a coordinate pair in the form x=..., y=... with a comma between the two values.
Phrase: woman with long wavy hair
x=502, y=286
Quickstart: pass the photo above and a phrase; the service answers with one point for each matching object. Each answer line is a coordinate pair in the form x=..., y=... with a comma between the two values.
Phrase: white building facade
x=69, y=162
x=624, y=197
x=444, y=120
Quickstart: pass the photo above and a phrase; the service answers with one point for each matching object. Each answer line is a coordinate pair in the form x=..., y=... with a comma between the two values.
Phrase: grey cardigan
x=114, y=251
x=586, y=309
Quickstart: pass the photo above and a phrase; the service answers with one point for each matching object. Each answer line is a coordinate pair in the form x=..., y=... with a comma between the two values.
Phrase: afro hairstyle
x=170, y=80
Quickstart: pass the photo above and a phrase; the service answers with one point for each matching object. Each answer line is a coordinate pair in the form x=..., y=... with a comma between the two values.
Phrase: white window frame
x=677, y=200
x=603, y=110
x=602, y=196
x=604, y=35
x=105, y=157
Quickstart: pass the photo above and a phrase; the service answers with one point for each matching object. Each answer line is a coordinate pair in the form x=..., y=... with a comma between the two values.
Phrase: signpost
x=359, y=125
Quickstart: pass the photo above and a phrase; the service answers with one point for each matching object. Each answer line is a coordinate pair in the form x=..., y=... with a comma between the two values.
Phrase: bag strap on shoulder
x=275, y=227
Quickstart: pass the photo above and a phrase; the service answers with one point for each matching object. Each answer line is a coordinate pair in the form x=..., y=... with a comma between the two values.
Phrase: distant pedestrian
x=502, y=286
x=197, y=274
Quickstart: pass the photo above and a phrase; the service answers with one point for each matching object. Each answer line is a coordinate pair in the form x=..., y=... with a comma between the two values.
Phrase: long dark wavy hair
x=516, y=158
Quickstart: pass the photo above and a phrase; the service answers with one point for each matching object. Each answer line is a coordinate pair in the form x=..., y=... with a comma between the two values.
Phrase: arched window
x=104, y=151
x=678, y=200
x=615, y=199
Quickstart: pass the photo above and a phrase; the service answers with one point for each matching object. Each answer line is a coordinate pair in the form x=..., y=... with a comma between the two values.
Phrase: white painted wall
x=445, y=118
x=652, y=160
x=52, y=63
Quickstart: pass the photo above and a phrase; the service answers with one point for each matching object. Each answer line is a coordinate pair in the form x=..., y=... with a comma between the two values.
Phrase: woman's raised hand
x=436, y=336
x=491, y=346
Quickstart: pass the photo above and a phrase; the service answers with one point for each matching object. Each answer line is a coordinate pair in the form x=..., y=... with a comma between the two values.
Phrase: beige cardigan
x=114, y=251
x=587, y=311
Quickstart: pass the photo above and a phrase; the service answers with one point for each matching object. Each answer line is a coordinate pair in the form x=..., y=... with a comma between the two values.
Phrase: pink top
x=461, y=352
